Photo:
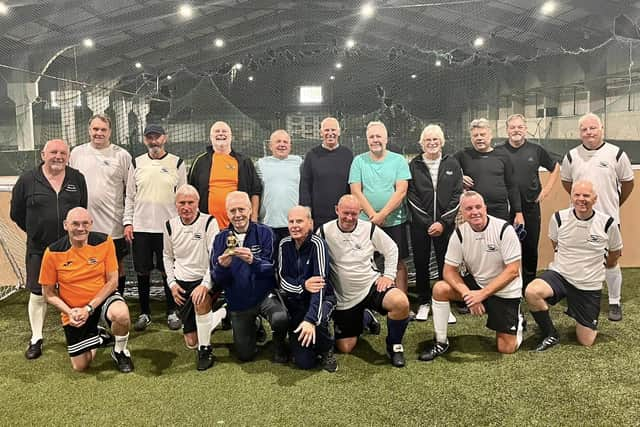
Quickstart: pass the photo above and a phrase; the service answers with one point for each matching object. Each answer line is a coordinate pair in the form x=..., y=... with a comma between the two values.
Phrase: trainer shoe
x=547, y=343
x=615, y=312
x=462, y=308
x=173, y=321
x=205, y=357
x=123, y=360
x=373, y=325
x=452, y=319
x=329, y=361
x=433, y=351
x=412, y=315
x=280, y=353
x=396, y=354
x=142, y=322
x=423, y=313
x=34, y=350
x=106, y=338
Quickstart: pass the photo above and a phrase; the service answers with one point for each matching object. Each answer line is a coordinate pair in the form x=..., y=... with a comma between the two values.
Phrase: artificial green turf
x=471, y=385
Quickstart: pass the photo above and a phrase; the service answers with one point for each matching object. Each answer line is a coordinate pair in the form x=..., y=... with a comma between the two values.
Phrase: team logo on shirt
x=448, y=172
x=105, y=162
x=164, y=170
x=92, y=261
x=594, y=239
x=67, y=264
x=197, y=236
x=603, y=164
x=530, y=159
x=71, y=188
x=491, y=247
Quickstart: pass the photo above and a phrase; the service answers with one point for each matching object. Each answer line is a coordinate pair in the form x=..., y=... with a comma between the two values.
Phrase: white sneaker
x=423, y=312
x=452, y=319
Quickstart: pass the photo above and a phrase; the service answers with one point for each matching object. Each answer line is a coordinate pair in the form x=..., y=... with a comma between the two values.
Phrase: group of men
x=293, y=241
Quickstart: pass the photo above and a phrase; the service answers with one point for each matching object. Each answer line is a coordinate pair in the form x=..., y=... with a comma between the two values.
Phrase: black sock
x=122, y=280
x=543, y=320
x=395, y=330
x=171, y=304
x=143, y=293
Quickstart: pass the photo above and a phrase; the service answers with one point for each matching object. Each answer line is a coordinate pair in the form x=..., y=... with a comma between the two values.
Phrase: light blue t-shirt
x=280, y=182
x=378, y=181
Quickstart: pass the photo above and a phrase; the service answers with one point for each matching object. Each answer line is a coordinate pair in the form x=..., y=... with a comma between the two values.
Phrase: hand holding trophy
x=232, y=244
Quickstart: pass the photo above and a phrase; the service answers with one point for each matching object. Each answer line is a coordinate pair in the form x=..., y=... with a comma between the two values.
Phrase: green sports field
x=471, y=385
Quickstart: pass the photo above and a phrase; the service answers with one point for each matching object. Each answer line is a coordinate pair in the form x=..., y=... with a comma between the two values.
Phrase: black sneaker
x=433, y=351
x=615, y=312
x=34, y=350
x=123, y=360
x=329, y=361
x=547, y=343
x=396, y=354
x=280, y=353
x=374, y=325
x=462, y=308
x=205, y=357
x=106, y=338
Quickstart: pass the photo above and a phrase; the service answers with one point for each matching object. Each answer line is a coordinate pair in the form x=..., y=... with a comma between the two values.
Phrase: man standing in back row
x=609, y=169
x=105, y=167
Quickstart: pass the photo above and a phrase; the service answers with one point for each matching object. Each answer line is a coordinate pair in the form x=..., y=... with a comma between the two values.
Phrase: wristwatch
x=89, y=308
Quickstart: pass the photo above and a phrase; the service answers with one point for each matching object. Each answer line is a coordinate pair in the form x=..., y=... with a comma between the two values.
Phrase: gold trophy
x=232, y=244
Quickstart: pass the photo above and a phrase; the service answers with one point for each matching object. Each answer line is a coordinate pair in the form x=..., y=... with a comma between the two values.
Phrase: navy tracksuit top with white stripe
x=296, y=265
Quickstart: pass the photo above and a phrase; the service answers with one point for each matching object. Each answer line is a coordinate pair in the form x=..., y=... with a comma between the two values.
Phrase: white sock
x=613, y=276
x=121, y=343
x=204, y=326
x=37, y=312
x=219, y=314
x=520, y=328
x=440, y=311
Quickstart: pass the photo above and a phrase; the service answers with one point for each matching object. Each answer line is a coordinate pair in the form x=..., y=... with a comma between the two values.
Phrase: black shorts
x=503, y=314
x=145, y=246
x=122, y=248
x=348, y=323
x=399, y=235
x=86, y=337
x=33, y=262
x=583, y=306
x=187, y=312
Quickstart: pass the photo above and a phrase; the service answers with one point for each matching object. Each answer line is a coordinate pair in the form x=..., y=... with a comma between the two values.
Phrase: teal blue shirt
x=378, y=181
x=280, y=182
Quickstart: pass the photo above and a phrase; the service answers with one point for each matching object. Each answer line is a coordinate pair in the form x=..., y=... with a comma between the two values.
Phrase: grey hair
x=434, y=130
x=187, y=190
x=589, y=116
x=101, y=117
x=237, y=195
x=376, y=123
x=470, y=193
x=479, y=123
x=513, y=117
x=307, y=210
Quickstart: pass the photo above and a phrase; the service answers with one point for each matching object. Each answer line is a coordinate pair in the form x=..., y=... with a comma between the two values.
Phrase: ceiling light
x=438, y=63
x=4, y=9
x=478, y=42
x=138, y=65
x=351, y=43
x=413, y=76
x=548, y=7
x=169, y=77
x=250, y=78
x=338, y=65
x=332, y=77
x=368, y=10
x=186, y=11
x=87, y=43
x=218, y=42
x=238, y=66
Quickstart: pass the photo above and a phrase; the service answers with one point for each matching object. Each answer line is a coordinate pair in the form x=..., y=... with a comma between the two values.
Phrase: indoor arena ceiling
x=163, y=38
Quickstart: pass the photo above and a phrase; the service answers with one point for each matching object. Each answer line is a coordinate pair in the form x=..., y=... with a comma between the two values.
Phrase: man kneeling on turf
x=358, y=285
x=84, y=267
x=304, y=258
x=187, y=241
x=490, y=249
x=581, y=237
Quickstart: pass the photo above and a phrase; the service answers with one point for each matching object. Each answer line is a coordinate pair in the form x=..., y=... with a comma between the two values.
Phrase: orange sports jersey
x=222, y=181
x=80, y=273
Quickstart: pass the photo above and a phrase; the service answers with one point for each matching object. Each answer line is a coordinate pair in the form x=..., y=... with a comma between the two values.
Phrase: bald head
x=583, y=197
x=348, y=210
x=78, y=225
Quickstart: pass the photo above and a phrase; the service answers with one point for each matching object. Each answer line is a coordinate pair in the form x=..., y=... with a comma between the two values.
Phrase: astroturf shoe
x=329, y=361
x=615, y=312
x=434, y=350
x=123, y=360
x=280, y=353
x=142, y=322
x=396, y=355
x=547, y=343
x=372, y=324
x=423, y=312
x=106, y=338
x=452, y=319
x=173, y=321
x=205, y=357
x=34, y=350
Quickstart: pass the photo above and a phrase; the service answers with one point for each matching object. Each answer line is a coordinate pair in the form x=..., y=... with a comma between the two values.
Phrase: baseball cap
x=154, y=129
